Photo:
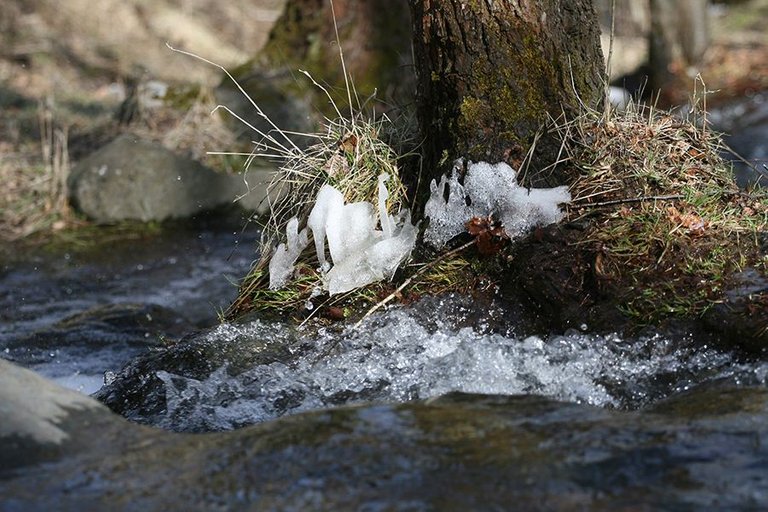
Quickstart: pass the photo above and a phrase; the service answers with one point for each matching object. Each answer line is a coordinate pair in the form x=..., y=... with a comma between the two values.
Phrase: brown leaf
x=489, y=234
x=348, y=143
x=692, y=223
x=334, y=313
x=477, y=225
x=336, y=165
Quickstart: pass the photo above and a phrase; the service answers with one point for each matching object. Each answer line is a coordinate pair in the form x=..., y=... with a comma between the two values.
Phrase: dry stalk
x=55, y=153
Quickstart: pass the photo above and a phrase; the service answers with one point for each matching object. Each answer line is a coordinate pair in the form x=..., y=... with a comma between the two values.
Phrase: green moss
x=508, y=97
x=678, y=227
x=182, y=96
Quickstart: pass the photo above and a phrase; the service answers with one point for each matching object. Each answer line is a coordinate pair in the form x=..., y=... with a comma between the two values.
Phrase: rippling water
x=405, y=354
x=187, y=268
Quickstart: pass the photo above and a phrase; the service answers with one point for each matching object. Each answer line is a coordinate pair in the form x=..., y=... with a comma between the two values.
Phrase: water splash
x=400, y=355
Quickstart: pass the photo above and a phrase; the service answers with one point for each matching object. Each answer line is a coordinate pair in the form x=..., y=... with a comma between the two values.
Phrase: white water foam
x=397, y=357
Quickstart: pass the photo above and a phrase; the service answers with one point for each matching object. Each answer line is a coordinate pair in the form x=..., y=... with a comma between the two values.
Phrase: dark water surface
x=77, y=309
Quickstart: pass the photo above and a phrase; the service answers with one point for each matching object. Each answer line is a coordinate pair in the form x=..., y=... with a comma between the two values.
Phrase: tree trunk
x=679, y=36
x=375, y=37
x=489, y=73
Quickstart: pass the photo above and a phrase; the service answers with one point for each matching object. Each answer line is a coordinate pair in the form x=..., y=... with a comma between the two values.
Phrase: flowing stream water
x=71, y=313
x=76, y=313
x=418, y=352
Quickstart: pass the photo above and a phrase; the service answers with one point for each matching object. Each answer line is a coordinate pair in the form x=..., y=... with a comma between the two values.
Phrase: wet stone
x=741, y=318
x=457, y=452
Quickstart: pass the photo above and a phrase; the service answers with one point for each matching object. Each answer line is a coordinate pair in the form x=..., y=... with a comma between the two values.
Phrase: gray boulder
x=699, y=451
x=134, y=179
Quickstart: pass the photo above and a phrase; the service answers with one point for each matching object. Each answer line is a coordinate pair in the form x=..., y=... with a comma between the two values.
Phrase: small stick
x=634, y=200
x=607, y=98
x=410, y=280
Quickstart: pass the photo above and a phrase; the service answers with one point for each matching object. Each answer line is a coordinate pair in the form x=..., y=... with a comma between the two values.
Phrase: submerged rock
x=138, y=391
x=741, y=317
x=698, y=451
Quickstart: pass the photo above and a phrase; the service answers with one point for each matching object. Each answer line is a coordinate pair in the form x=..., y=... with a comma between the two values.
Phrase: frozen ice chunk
x=377, y=262
x=350, y=229
x=285, y=256
x=486, y=185
x=360, y=253
x=389, y=253
x=526, y=208
x=446, y=217
x=488, y=190
x=328, y=198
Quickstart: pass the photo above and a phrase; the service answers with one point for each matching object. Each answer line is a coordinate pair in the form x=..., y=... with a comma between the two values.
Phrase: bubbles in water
x=399, y=356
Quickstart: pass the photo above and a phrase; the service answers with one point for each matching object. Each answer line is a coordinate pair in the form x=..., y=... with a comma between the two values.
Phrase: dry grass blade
x=667, y=219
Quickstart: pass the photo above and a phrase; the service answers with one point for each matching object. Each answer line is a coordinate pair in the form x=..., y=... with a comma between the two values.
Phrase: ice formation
x=327, y=198
x=489, y=190
x=360, y=253
x=375, y=262
x=285, y=256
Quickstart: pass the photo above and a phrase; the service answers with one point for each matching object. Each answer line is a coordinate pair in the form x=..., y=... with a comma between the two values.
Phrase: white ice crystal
x=328, y=198
x=285, y=256
x=374, y=263
x=350, y=230
x=489, y=189
x=360, y=253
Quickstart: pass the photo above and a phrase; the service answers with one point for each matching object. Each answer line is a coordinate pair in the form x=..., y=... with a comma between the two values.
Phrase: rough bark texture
x=490, y=72
x=375, y=36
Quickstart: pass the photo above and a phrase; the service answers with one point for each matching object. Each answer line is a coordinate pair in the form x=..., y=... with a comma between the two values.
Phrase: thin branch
x=610, y=58
x=343, y=64
x=408, y=281
x=239, y=88
x=746, y=162
x=632, y=200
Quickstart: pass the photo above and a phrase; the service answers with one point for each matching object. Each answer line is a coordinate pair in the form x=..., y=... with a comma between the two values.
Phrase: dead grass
x=668, y=225
x=348, y=154
x=34, y=196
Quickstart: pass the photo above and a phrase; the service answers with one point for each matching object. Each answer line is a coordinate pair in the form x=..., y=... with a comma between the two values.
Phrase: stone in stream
x=139, y=394
x=134, y=179
x=699, y=451
x=742, y=316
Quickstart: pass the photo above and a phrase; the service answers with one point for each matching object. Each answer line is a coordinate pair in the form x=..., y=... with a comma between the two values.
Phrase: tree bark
x=375, y=37
x=490, y=72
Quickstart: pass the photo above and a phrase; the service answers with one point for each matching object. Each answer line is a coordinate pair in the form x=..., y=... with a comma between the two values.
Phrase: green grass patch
x=667, y=224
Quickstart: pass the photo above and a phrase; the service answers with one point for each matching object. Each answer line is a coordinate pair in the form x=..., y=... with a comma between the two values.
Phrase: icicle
x=285, y=256
x=328, y=198
x=386, y=226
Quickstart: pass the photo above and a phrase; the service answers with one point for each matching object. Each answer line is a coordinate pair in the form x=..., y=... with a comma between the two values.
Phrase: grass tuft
x=347, y=153
x=668, y=224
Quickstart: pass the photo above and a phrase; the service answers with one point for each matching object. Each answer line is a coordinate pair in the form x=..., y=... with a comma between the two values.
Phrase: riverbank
x=62, y=99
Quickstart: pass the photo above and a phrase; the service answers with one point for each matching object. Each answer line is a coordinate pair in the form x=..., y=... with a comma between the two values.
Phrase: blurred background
x=75, y=75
